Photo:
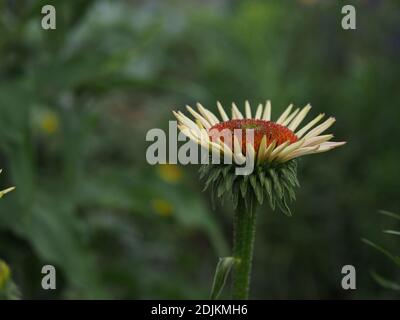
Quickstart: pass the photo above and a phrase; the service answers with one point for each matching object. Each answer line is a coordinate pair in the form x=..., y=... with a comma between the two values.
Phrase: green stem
x=244, y=230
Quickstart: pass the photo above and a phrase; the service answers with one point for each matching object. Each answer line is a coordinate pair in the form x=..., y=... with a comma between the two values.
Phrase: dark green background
x=76, y=103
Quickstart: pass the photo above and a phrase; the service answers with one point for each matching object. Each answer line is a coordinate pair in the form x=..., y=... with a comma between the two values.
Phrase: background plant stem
x=244, y=229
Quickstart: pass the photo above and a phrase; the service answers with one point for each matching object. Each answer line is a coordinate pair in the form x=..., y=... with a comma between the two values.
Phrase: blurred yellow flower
x=170, y=173
x=162, y=207
x=49, y=122
x=4, y=274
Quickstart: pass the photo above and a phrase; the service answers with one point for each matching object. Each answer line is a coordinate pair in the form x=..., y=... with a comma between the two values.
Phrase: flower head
x=269, y=142
x=273, y=146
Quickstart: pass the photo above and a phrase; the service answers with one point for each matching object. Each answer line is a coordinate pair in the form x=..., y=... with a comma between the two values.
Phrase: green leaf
x=395, y=232
x=224, y=266
x=395, y=259
x=389, y=214
x=388, y=284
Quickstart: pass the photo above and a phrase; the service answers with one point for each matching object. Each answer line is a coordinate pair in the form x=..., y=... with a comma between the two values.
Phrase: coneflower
x=273, y=147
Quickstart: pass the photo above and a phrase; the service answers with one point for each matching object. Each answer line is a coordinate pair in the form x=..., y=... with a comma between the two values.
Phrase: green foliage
x=84, y=190
x=384, y=282
x=276, y=183
x=75, y=106
x=222, y=271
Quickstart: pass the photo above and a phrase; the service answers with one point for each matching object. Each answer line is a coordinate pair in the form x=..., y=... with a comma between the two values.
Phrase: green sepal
x=243, y=186
x=275, y=182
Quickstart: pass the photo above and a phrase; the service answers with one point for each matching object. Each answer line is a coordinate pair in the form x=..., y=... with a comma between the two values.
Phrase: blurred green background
x=75, y=106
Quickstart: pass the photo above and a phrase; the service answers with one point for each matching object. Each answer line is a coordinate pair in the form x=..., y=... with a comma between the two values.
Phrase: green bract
x=273, y=183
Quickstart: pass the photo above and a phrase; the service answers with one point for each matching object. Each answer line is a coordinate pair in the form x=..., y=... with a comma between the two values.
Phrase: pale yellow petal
x=259, y=111
x=236, y=114
x=250, y=152
x=290, y=117
x=299, y=118
x=300, y=152
x=211, y=118
x=317, y=140
x=216, y=146
x=284, y=114
x=185, y=120
x=269, y=150
x=237, y=146
x=321, y=128
x=195, y=114
x=3, y=192
x=247, y=109
x=239, y=158
x=225, y=147
x=290, y=148
x=261, y=149
x=204, y=136
x=326, y=146
x=222, y=112
x=309, y=125
x=267, y=111
x=277, y=150
x=191, y=134
x=237, y=151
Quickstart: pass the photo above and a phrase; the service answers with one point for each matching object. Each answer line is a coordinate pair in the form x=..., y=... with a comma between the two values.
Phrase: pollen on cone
x=271, y=130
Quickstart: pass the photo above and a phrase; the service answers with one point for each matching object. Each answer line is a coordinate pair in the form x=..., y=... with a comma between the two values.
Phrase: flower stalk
x=244, y=230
